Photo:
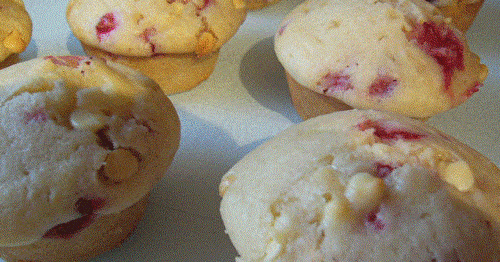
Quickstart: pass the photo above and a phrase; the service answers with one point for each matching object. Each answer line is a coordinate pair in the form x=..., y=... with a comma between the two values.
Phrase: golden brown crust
x=462, y=13
x=173, y=73
x=309, y=103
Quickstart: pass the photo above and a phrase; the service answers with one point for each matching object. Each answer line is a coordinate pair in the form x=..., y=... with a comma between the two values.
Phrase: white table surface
x=243, y=103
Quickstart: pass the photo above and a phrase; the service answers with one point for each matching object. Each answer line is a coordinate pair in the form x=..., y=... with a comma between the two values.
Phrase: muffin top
x=150, y=27
x=401, y=56
x=79, y=137
x=15, y=28
x=363, y=186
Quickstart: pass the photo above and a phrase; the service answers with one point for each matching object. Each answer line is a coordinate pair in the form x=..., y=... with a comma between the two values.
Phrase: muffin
x=83, y=142
x=400, y=56
x=462, y=12
x=363, y=185
x=176, y=43
x=15, y=28
x=259, y=4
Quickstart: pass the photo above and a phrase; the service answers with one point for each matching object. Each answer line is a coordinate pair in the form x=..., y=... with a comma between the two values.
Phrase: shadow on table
x=264, y=78
x=183, y=222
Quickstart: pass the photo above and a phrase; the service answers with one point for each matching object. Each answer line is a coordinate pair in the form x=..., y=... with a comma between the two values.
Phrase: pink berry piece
x=383, y=170
x=146, y=36
x=206, y=4
x=374, y=221
x=69, y=229
x=382, y=86
x=441, y=43
x=283, y=27
x=335, y=82
x=388, y=133
x=474, y=89
x=36, y=116
x=85, y=207
x=107, y=24
x=69, y=61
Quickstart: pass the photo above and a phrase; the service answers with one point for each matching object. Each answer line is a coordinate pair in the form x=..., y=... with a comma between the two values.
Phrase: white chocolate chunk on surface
x=121, y=165
x=336, y=213
x=14, y=42
x=365, y=191
x=459, y=175
x=86, y=120
x=325, y=196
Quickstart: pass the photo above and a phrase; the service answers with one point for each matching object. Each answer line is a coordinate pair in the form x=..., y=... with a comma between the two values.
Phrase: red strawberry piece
x=388, y=133
x=335, y=82
x=69, y=61
x=36, y=116
x=469, y=92
x=85, y=207
x=383, y=170
x=373, y=220
x=146, y=37
x=107, y=24
x=382, y=86
x=441, y=43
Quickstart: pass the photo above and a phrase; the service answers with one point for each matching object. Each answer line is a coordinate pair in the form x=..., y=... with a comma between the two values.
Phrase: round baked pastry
x=400, y=56
x=259, y=4
x=363, y=185
x=15, y=28
x=176, y=43
x=462, y=12
x=83, y=142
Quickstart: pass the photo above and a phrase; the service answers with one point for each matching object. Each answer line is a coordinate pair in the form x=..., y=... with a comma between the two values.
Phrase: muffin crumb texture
x=362, y=187
x=156, y=27
x=68, y=129
x=412, y=60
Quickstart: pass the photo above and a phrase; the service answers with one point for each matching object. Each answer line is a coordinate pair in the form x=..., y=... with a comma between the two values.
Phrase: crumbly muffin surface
x=152, y=27
x=362, y=186
x=79, y=138
x=402, y=56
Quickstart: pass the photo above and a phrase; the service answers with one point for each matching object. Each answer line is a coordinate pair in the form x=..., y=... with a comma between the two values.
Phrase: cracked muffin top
x=79, y=137
x=15, y=28
x=363, y=186
x=401, y=56
x=149, y=27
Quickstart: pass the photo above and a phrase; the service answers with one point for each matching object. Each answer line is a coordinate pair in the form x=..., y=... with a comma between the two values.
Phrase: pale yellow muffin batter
x=363, y=186
x=81, y=139
x=176, y=43
x=401, y=56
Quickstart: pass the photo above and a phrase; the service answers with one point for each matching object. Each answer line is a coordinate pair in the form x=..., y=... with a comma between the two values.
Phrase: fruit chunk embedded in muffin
x=400, y=56
x=175, y=43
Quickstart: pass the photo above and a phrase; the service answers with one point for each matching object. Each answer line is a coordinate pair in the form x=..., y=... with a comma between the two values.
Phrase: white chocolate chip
x=239, y=4
x=178, y=8
x=86, y=120
x=14, y=42
x=459, y=175
x=283, y=224
x=365, y=191
x=336, y=213
x=379, y=149
x=121, y=165
x=273, y=250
